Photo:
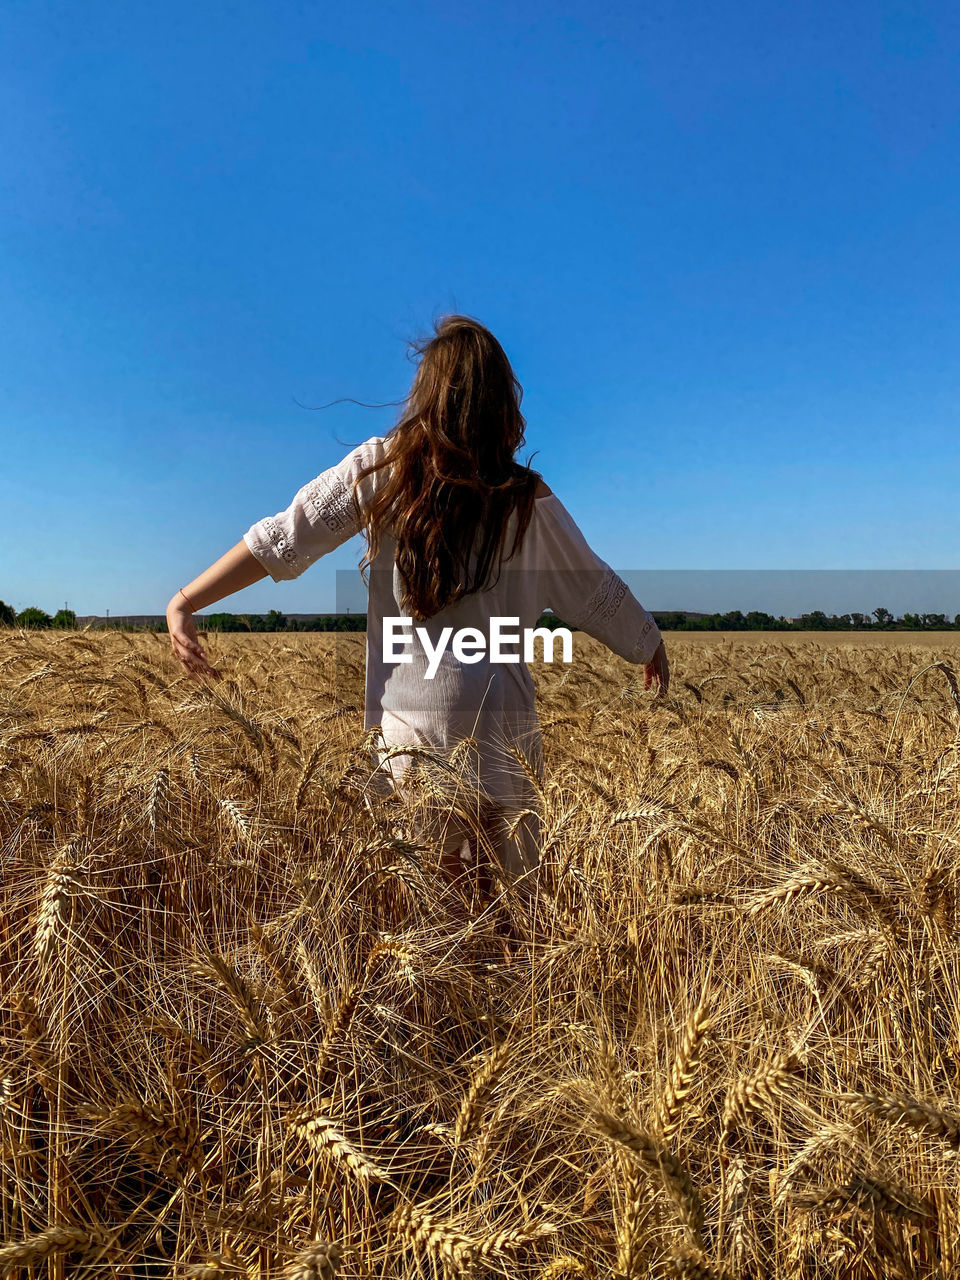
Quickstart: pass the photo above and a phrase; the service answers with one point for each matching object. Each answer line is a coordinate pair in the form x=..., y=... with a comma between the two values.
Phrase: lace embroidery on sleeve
x=641, y=644
x=280, y=543
x=332, y=502
x=608, y=597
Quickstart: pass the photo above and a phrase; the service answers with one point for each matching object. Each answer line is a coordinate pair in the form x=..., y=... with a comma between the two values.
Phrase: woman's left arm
x=237, y=569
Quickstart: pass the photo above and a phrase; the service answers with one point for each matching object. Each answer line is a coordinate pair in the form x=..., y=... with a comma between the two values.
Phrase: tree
x=34, y=618
x=276, y=621
x=815, y=621
x=883, y=616
x=65, y=619
x=733, y=621
x=8, y=615
x=757, y=620
x=222, y=622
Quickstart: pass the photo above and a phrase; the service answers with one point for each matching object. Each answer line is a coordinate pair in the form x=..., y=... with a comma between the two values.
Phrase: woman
x=458, y=533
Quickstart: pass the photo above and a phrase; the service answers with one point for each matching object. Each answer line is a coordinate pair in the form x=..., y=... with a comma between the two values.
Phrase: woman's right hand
x=186, y=643
x=657, y=669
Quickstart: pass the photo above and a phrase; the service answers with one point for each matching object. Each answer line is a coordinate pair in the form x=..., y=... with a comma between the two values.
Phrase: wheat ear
x=475, y=1102
x=693, y=1264
x=319, y=1260
x=35, y=1250
x=686, y=1064
x=658, y=1161
x=924, y=1117
x=752, y=1092
x=324, y=1138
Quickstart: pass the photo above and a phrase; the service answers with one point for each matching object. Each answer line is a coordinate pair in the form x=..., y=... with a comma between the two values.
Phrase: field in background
x=245, y=1033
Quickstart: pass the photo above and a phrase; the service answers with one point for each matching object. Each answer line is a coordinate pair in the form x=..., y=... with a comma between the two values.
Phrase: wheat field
x=249, y=1030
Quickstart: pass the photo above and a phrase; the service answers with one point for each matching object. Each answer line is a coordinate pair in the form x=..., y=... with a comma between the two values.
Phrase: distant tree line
x=277, y=621
x=36, y=619
x=879, y=620
x=63, y=619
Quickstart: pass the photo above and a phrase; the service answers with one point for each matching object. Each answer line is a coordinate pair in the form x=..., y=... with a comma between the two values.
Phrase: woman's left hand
x=186, y=643
x=657, y=669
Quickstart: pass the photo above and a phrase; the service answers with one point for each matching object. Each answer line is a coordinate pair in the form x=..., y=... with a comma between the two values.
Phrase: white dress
x=491, y=702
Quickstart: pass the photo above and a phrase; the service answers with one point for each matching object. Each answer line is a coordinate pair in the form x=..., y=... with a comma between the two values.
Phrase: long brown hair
x=453, y=480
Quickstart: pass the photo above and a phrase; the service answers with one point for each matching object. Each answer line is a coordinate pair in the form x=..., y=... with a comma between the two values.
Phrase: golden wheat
x=235, y=993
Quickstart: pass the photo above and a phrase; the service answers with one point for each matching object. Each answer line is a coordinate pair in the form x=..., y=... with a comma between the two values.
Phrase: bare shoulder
x=543, y=490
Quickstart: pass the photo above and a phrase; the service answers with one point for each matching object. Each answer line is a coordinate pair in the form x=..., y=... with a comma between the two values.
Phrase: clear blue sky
x=719, y=242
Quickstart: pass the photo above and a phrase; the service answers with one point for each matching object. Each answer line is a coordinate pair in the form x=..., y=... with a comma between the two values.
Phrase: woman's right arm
x=236, y=569
x=321, y=515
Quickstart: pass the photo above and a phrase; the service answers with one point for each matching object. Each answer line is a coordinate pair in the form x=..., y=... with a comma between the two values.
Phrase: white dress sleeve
x=322, y=515
x=584, y=592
